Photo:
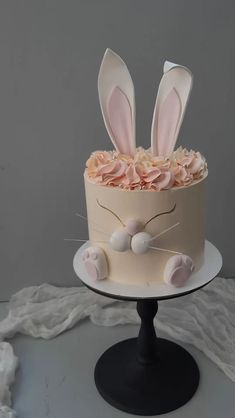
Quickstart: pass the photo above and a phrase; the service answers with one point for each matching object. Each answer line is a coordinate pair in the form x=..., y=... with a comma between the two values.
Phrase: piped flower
x=146, y=171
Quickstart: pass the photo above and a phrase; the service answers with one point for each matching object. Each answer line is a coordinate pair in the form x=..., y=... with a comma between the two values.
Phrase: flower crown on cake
x=131, y=168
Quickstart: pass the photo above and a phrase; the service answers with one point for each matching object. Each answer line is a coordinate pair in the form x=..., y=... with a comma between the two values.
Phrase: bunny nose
x=133, y=226
x=140, y=243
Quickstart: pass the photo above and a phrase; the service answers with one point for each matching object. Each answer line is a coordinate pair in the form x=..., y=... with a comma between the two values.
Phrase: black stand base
x=148, y=375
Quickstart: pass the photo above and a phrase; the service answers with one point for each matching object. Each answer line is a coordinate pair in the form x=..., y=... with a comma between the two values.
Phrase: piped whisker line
x=160, y=214
x=111, y=211
x=164, y=232
x=165, y=249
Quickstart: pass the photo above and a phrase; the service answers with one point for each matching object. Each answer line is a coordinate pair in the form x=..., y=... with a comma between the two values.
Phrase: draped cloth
x=205, y=319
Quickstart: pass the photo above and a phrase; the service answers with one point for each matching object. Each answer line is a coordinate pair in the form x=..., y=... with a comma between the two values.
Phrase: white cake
x=146, y=208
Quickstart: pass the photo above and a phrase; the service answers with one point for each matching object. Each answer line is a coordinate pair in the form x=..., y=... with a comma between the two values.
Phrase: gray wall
x=50, y=121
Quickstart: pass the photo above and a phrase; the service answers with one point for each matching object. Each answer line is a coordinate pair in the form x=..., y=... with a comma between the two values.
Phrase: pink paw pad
x=95, y=263
x=178, y=269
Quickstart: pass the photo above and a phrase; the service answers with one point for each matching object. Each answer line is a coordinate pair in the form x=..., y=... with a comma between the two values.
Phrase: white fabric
x=205, y=319
x=8, y=365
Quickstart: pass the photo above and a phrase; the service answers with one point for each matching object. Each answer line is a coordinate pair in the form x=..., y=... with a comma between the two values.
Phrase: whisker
x=160, y=214
x=92, y=222
x=74, y=239
x=164, y=232
x=82, y=240
x=81, y=216
x=86, y=219
x=164, y=249
x=109, y=210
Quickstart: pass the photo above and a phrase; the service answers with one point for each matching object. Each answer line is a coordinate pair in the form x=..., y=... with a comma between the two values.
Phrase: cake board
x=148, y=375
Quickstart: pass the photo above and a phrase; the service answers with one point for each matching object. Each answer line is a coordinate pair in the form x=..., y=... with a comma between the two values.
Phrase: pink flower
x=182, y=177
x=151, y=174
x=165, y=180
x=131, y=178
x=159, y=179
x=194, y=163
x=144, y=170
x=97, y=159
x=112, y=173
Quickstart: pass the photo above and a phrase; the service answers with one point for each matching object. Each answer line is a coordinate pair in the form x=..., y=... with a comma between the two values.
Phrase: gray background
x=50, y=121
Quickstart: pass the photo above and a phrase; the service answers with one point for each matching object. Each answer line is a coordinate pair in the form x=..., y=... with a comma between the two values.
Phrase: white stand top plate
x=208, y=271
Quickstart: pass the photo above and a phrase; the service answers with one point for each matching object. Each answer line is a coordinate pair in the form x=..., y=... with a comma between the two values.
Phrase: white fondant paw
x=95, y=263
x=178, y=269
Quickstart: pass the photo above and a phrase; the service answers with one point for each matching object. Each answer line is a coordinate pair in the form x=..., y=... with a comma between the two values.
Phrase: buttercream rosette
x=144, y=171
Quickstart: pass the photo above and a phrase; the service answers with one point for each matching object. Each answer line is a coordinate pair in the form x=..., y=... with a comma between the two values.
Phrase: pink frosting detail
x=115, y=168
x=120, y=119
x=91, y=270
x=112, y=173
x=193, y=163
x=159, y=179
x=131, y=176
x=179, y=276
x=178, y=269
x=144, y=171
x=182, y=176
x=165, y=180
x=168, y=119
x=85, y=255
x=133, y=226
x=151, y=174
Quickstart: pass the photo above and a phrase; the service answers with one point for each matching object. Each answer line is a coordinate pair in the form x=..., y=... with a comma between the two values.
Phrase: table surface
x=55, y=377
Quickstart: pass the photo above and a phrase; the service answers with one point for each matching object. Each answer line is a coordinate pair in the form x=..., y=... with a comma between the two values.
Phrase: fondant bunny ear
x=170, y=106
x=117, y=101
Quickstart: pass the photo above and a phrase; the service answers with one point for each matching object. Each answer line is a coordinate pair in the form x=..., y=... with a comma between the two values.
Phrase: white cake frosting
x=186, y=237
x=145, y=208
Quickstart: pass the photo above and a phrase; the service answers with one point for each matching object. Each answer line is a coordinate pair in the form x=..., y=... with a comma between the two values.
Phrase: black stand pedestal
x=146, y=375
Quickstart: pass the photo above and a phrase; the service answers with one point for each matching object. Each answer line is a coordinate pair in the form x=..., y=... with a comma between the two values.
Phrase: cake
x=145, y=207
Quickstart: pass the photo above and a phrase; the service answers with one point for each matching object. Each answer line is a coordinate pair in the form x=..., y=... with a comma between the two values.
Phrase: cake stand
x=148, y=375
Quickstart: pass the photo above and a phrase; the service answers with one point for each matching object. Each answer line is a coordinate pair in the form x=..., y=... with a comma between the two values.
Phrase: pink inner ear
x=120, y=119
x=168, y=119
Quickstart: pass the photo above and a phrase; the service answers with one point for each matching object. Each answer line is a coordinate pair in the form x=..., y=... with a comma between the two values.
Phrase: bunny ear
x=170, y=106
x=117, y=102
